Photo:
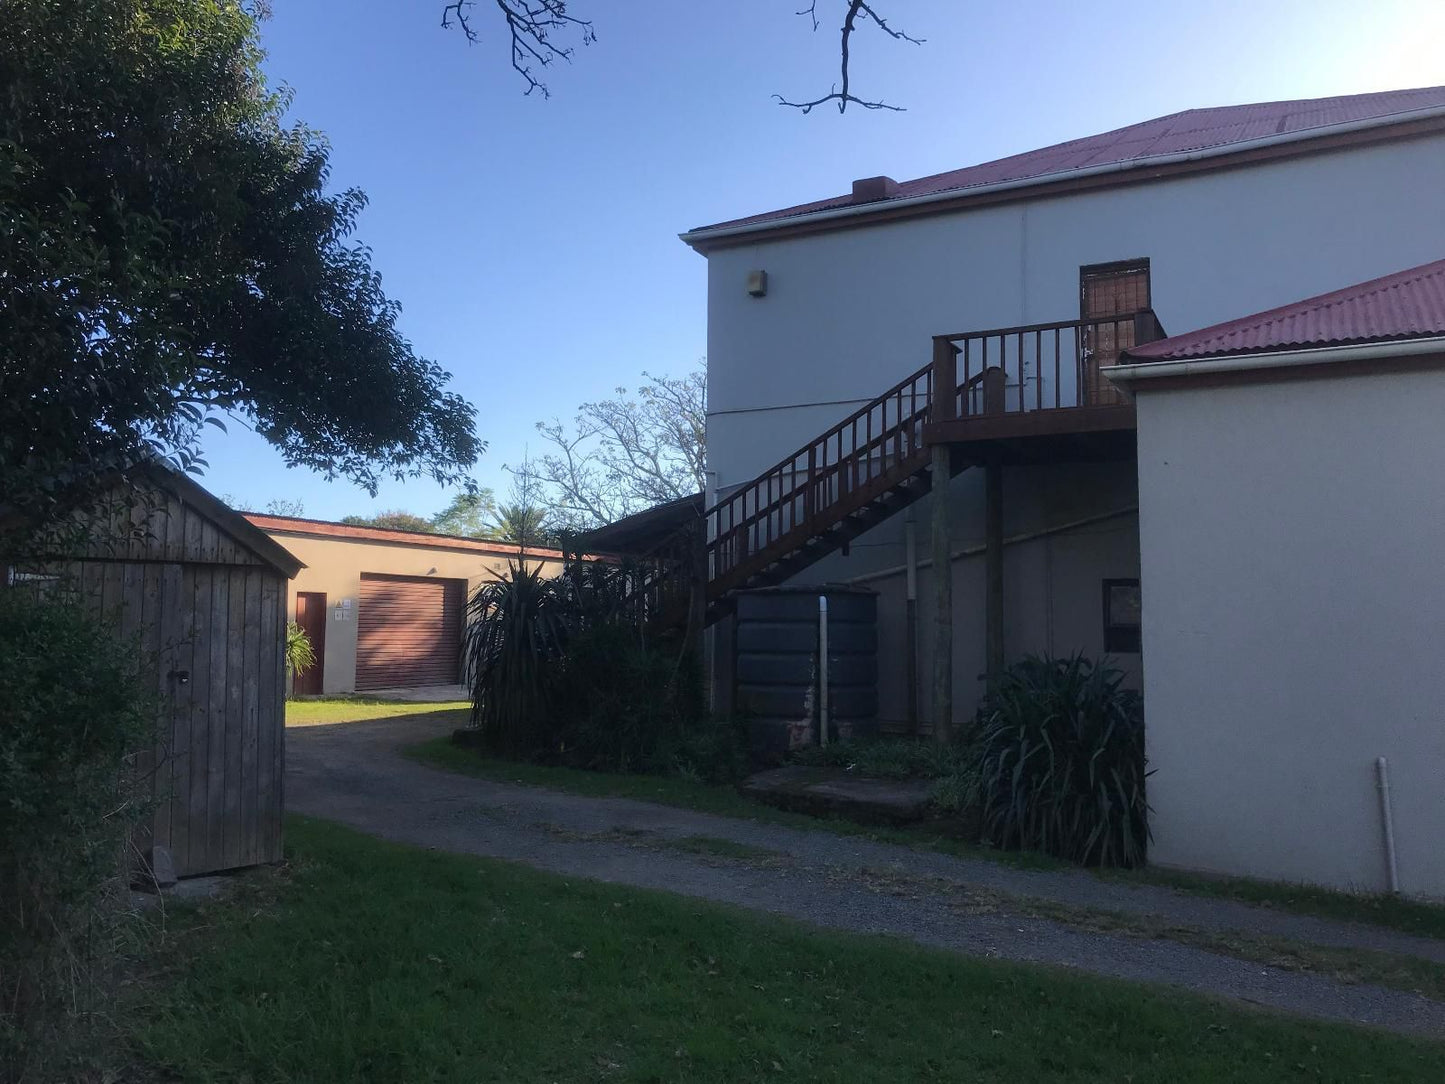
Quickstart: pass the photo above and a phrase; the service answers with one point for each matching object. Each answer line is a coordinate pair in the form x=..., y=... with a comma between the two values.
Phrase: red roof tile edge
x=321, y=528
x=1404, y=305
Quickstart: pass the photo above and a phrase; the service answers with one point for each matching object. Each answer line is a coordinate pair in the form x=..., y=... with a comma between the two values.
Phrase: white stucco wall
x=1293, y=556
x=849, y=313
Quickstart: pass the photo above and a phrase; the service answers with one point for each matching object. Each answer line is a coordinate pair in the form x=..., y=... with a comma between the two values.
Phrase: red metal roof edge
x=322, y=528
x=919, y=187
x=1214, y=341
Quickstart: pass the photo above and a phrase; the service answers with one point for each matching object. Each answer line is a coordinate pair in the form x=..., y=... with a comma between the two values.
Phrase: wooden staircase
x=1028, y=394
x=875, y=462
x=845, y=481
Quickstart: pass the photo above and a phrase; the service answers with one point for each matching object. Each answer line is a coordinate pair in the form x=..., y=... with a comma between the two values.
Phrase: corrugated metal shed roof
x=1406, y=305
x=1191, y=130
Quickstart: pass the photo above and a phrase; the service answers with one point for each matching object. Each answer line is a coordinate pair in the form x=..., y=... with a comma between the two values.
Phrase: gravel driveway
x=352, y=773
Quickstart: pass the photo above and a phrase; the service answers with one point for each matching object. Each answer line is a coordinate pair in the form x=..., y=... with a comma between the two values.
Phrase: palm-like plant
x=517, y=632
x=300, y=655
x=1060, y=758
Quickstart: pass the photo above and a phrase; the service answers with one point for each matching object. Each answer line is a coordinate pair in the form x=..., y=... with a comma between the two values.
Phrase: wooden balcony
x=1036, y=393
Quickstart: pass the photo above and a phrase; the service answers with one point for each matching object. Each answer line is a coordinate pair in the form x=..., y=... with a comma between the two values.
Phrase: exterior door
x=409, y=631
x=1110, y=295
x=311, y=616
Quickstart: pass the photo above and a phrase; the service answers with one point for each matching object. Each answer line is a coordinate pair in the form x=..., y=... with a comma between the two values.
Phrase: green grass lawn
x=352, y=709
x=377, y=962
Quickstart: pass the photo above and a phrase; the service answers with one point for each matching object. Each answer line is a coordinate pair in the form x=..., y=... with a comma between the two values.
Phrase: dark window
x=1121, y=617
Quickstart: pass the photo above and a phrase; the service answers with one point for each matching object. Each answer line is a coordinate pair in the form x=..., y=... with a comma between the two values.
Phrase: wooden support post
x=945, y=379
x=942, y=598
x=993, y=562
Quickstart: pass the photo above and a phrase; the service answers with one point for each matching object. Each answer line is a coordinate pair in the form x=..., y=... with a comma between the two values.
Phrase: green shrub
x=1059, y=747
x=622, y=706
x=561, y=673
x=73, y=714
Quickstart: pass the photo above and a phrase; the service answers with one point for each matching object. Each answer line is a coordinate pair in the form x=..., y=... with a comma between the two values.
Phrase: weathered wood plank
x=233, y=719
x=216, y=720
x=177, y=658
x=268, y=718
x=191, y=544
x=153, y=665
x=198, y=845
x=250, y=720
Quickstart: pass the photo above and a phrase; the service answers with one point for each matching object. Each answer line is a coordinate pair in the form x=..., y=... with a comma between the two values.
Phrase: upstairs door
x=1111, y=293
x=311, y=616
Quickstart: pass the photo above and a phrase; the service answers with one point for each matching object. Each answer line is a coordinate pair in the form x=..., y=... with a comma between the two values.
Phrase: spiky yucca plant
x=300, y=655
x=1060, y=755
x=517, y=632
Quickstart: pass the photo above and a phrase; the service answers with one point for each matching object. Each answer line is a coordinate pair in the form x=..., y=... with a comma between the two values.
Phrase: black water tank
x=776, y=669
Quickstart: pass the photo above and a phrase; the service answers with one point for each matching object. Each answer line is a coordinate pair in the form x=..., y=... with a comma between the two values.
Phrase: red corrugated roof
x=1406, y=305
x=1191, y=130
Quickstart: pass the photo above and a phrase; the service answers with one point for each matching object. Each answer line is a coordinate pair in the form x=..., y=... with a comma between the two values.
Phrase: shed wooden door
x=408, y=631
x=311, y=616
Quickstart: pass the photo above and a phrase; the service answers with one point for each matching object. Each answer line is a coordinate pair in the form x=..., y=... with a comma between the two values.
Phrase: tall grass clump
x=1059, y=746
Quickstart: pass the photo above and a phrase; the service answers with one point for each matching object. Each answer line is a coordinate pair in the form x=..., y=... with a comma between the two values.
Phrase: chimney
x=872, y=189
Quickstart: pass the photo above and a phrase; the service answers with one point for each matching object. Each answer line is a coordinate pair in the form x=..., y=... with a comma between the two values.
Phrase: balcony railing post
x=945, y=379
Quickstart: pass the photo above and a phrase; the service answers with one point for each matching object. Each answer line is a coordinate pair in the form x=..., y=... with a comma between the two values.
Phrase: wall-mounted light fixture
x=757, y=283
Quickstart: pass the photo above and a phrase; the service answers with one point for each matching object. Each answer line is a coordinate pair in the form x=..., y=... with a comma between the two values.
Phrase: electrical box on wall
x=757, y=284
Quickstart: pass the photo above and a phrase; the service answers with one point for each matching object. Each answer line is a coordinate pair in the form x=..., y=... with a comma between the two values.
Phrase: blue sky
x=533, y=243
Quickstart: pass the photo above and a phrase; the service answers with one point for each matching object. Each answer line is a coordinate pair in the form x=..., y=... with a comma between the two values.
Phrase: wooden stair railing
x=873, y=451
x=875, y=462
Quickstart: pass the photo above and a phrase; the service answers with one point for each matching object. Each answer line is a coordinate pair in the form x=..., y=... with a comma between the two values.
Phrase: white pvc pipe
x=822, y=669
x=1382, y=782
x=850, y=210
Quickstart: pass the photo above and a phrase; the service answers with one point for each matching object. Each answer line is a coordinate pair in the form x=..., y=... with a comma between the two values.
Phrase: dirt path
x=353, y=774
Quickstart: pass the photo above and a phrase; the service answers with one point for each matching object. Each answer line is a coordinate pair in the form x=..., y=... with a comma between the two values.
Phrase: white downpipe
x=851, y=210
x=822, y=669
x=1382, y=782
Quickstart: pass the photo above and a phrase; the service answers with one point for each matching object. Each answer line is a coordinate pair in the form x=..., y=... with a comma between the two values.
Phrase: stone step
x=836, y=792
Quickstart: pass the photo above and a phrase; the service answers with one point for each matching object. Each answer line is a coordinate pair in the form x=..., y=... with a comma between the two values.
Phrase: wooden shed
x=205, y=592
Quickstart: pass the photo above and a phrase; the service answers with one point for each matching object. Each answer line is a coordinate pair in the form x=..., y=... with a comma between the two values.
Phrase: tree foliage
x=393, y=520
x=170, y=255
x=470, y=515
x=625, y=454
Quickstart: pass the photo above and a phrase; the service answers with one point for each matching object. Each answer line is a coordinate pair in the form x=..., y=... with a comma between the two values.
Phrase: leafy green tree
x=170, y=256
x=394, y=520
x=470, y=515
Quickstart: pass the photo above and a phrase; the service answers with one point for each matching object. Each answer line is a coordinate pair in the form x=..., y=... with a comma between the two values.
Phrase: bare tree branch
x=622, y=455
x=532, y=24
x=843, y=94
x=538, y=29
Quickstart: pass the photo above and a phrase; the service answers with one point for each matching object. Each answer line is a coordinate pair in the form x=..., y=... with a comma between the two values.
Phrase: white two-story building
x=866, y=347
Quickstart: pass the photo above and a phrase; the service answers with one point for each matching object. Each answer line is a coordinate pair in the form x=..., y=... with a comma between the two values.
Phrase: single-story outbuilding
x=203, y=594
x=386, y=609
x=1292, y=535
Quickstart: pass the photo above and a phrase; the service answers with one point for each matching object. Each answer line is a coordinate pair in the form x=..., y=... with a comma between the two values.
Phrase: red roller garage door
x=408, y=631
